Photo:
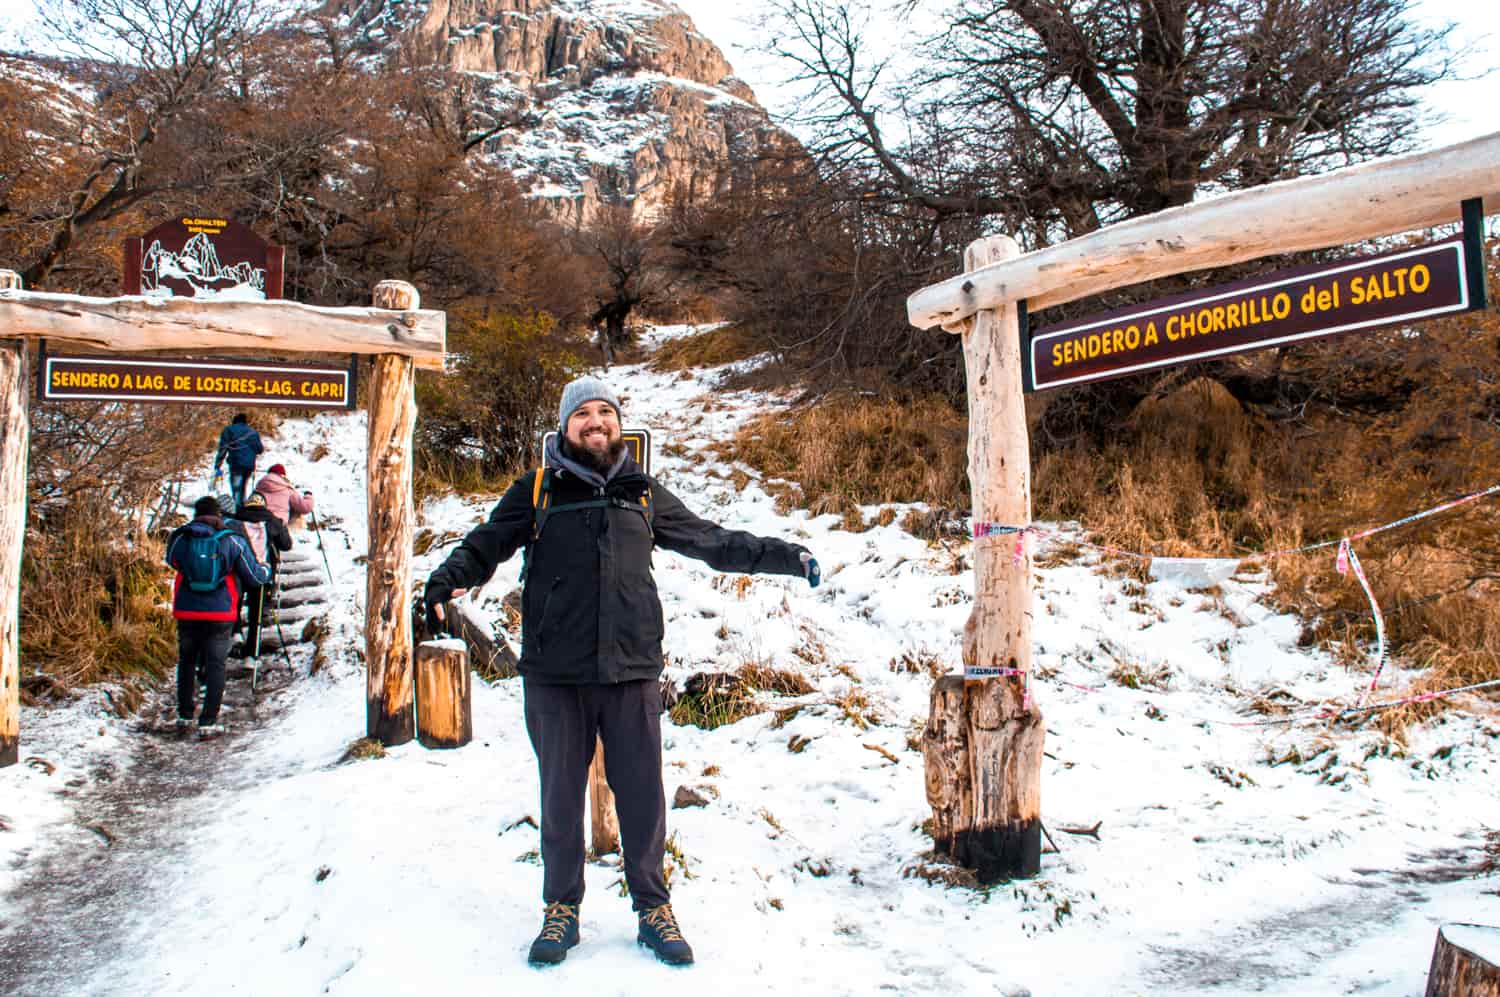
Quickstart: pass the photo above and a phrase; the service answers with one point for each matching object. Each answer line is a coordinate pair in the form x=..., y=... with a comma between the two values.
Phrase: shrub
x=94, y=607
x=482, y=422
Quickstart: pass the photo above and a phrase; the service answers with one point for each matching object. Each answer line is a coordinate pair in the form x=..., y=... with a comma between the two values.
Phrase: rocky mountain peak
x=624, y=99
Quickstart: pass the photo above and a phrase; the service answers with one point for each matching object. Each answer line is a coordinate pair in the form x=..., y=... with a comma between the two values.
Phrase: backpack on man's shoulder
x=542, y=507
x=203, y=566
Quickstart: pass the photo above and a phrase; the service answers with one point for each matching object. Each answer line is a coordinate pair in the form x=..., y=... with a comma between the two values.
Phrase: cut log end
x=397, y=295
x=10, y=280
x=1464, y=962
x=445, y=717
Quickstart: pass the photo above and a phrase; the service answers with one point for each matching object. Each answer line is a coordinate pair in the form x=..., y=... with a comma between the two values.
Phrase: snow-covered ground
x=1230, y=859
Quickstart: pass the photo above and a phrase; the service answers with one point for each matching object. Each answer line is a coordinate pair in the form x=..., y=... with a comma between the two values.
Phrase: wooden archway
x=395, y=333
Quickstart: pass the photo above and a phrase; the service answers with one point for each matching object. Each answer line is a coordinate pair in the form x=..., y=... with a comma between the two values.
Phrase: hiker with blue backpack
x=214, y=564
x=239, y=444
x=591, y=646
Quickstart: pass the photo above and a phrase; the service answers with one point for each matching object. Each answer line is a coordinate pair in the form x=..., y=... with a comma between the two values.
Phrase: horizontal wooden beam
x=134, y=324
x=1378, y=198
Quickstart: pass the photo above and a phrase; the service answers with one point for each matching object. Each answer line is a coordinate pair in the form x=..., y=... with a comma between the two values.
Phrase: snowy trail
x=1286, y=860
x=122, y=863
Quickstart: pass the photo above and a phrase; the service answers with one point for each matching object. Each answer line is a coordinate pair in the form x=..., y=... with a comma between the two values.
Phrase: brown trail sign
x=1280, y=308
x=206, y=257
x=983, y=742
x=196, y=382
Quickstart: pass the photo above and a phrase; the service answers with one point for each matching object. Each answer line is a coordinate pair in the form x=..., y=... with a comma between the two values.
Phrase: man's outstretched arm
x=679, y=530
x=487, y=546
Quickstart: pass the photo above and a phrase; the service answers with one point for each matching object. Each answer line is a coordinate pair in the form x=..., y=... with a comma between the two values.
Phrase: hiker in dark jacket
x=268, y=537
x=239, y=444
x=591, y=654
x=213, y=564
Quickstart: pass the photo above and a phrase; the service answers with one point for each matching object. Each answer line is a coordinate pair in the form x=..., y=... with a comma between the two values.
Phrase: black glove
x=436, y=593
x=810, y=569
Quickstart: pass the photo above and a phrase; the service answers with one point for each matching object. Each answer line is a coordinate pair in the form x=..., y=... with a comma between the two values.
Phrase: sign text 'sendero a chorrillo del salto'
x=1283, y=307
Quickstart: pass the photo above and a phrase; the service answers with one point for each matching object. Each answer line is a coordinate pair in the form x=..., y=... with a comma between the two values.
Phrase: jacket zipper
x=546, y=605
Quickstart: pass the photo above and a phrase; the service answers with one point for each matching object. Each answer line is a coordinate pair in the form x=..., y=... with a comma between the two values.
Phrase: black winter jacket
x=589, y=610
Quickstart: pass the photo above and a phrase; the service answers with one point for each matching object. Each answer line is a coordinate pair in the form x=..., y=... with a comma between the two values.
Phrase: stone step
x=303, y=574
x=298, y=615
x=311, y=595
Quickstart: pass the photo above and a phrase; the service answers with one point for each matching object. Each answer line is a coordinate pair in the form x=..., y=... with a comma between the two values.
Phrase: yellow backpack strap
x=536, y=487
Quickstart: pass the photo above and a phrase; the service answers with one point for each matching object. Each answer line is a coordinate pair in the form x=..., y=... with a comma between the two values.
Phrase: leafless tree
x=629, y=271
x=1059, y=116
x=151, y=62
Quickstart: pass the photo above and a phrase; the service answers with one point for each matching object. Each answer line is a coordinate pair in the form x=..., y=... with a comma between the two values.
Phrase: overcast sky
x=1469, y=104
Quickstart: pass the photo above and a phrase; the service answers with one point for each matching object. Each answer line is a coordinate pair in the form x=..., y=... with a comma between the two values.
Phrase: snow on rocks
x=1226, y=858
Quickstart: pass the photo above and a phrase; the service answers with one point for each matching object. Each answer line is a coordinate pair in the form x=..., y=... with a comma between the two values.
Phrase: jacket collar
x=557, y=458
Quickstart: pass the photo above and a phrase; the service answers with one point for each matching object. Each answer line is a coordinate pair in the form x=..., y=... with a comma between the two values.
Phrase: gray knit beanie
x=584, y=389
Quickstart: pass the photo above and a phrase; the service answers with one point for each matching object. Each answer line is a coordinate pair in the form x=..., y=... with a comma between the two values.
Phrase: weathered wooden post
x=1465, y=962
x=14, y=428
x=983, y=743
x=392, y=419
x=445, y=713
x=605, y=835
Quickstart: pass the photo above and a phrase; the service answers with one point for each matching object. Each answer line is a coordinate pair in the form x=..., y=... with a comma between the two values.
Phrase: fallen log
x=491, y=657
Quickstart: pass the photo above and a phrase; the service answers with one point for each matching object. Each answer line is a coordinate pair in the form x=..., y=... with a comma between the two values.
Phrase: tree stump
x=445, y=713
x=1465, y=962
x=983, y=757
x=606, y=823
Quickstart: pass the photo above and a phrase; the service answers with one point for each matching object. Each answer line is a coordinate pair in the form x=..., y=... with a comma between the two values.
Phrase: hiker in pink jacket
x=281, y=498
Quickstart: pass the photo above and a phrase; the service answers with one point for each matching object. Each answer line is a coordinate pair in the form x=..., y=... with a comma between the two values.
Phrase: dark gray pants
x=202, y=646
x=562, y=721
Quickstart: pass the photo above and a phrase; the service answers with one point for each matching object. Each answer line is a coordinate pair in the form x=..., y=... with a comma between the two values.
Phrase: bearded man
x=591, y=646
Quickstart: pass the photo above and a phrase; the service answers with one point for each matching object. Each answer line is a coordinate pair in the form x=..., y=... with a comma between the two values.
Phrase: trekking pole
x=259, y=609
x=276, y=618
x=313, y=515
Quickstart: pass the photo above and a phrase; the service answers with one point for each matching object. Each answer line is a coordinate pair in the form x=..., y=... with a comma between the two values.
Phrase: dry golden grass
x=362, y=749
x=714, y=348
x=1196, y=474
x=778, y=680
x=1134, y=675
x=434, y=477
x=724, y=700
x=920, y=661
x=90, y=613
x=848, y=451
